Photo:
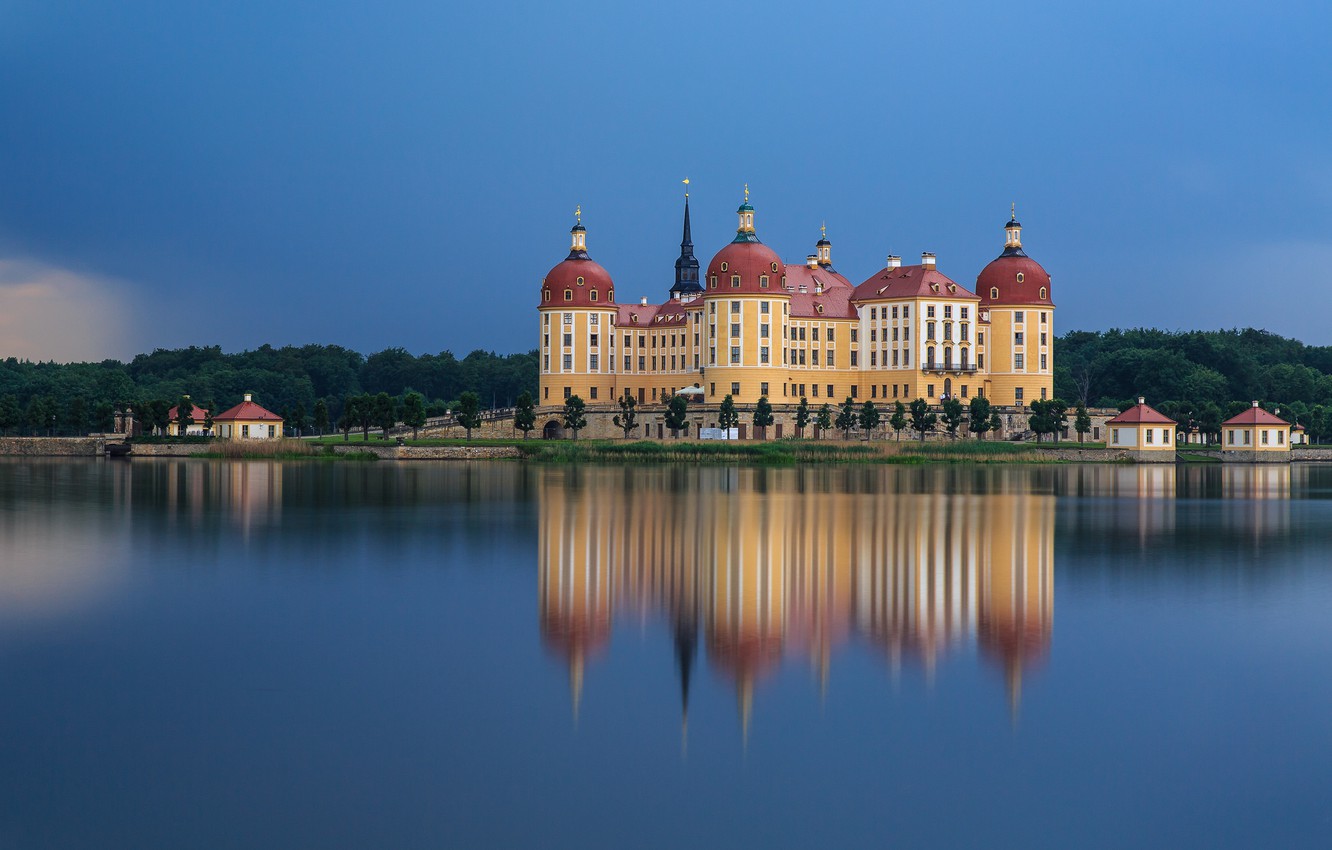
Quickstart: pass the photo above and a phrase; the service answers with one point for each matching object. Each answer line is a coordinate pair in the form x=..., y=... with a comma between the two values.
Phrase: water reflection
x=757, y=565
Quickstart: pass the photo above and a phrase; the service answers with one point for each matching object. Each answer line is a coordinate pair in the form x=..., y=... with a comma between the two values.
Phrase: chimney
x=811, y=261
x=1141, y=400
x=927, y=259
x=1255, y=404
x=643, y=301
x=249, y=396
x=894, y=261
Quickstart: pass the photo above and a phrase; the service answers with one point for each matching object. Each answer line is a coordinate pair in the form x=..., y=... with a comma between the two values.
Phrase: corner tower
x=577, y=326
x=1017, y=316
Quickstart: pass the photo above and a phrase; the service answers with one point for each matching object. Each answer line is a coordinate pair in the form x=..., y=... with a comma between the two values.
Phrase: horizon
x=258, y=174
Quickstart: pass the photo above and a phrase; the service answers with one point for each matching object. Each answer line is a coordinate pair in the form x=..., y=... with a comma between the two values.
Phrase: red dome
x=1019, y=280
x=581, y=279
x=749, y=260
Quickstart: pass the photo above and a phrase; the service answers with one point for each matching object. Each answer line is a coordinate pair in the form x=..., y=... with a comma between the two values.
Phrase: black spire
x=686, y=268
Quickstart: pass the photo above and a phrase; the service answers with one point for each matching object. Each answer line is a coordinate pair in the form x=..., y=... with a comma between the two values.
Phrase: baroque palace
x=755, y=326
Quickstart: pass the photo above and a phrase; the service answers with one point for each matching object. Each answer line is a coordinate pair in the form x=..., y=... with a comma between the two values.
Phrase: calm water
x=209, y=654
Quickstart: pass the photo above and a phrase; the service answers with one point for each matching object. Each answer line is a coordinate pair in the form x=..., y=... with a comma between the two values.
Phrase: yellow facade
x=1144, y=437
x=1018, y=354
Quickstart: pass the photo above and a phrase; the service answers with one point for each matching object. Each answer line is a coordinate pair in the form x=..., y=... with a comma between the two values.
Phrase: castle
x=755, y=326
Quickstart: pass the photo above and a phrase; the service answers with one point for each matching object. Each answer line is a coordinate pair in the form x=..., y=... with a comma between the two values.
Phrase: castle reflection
x=758, y=565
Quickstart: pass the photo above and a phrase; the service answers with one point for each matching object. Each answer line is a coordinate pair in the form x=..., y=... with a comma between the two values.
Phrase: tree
x=359, y=410
x=76, y=415
x=923, y=419
x=802, y=417
x=1039, y=418
x=824, y=420
x=41, y=414
x=159, y=414
x=727, y=416
x=413, y=412
x=996, y=424
x=677, y=409
x=104, y=418
x=574, y=414
x=297, y=421
x=978, y=417
x=627, y=419
x=762, y=417
x=869, y=419
x=846, y=417
x=209, y=407
x=898, y=421
x=184, y=415
x=468, y=411
x=346, y=422
x=524, y=413
x=1082, y=422
x=11, y=416
x=952, y=416
x=386, y=412
x=1057, y=410
x=1209, y=420
x=321, y=417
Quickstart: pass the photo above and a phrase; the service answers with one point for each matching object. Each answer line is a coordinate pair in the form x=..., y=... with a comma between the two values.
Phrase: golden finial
x=746, y=193
x=686, y=182
x=1012, y=211
x=824, y=230
x=578, y=213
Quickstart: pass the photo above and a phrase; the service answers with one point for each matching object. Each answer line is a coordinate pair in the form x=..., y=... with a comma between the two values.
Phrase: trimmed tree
x=321, y=416
x=677, y=410
x=953, y=414
x=978, y=417
x=1082, y=422
x=869, y=419
x=627, y=419
x=298, y=419
x=846, y=417
x=763, y=416
x=1056, y=410
x=995, y=422
x=209, y=407
x=923, y=419
x=802, y=417
x=413, y=412
x=184, y=415
x=524, y=413
x=575, y=418
x=346, y=422
x=898, y=421
x=468, y=411
x=824, y=420
x=386, y=413
x=728, y=417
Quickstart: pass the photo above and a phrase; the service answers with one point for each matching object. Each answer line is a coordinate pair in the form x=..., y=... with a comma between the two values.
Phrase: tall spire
x=686, y=268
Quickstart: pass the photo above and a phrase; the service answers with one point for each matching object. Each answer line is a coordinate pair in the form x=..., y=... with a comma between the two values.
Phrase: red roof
x=801, y=274
x=249, y=411
x=1255, y=416
x=566, y=275
x=1142, y=414
x=1002, y=275
x=910, y=282
x=835, y=304
x=197, y=413
x=671, y=314
x=749, y=260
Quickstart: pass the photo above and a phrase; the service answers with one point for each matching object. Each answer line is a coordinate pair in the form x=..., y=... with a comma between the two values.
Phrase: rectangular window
x=735, y=281
x=802, y=333
x=814, y=357
x=802, y=357
x=627, y=362
x=763, y=331
x=568, y=339
x=568, y=362
x=874, y=391
x=1042, y=362
x=1165, y=436
x=874, y=358
x=855, y=332
x=929, y=312
x=594, y=393
x=642, y=363
x=1017, y=338
x=1264, y=437
x=906, y=357
x=593, y=340
x=763, y=389
x=874, y=313
x=1043, y=338
x=832, y=358
x=855, y=391
x=546, y=364
x=906, y=311
x=814, y=387
x=966, y=312
x=906, y=332
x=874, y=335
x=763, y=354
x=948, y=330
x=735, y=306
x=853, y=358
x=763, y=307
x=894, y=357
x=642, y=340
x=735, y=354
x=592, y=362
x=1042, y=317
x=832, y=334
x=1017, y=317
x=929, y=390
x=814, y=333
x=894, y=390
x=592, y=320
x=1114, y=436
x=1150, y=432
x=735, y=388
x=735, y=329
x=1018, y=394
x=1017, y=362
x=965, y=330
x=964, y=390
x=894, y=334
x=894, y=312
x=1246, y=437
x=568, y=318
x=948, y=311
x=980, y=361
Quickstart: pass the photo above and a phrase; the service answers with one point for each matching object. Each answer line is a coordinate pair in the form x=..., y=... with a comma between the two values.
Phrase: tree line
x=78, y=398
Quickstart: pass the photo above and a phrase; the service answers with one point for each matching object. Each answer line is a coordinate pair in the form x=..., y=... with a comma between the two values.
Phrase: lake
x=260, y=654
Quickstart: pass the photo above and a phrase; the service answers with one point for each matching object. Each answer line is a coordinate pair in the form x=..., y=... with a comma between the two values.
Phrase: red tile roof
x=836, y=304
x=1142, y=414
x=565, y=276
x=197, y=412
x=248, y=411
x=1255, y=416
x=910, y=282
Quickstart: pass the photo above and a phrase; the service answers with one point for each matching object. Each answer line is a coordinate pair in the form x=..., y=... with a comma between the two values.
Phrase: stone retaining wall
x=171, y=449
x=429, y=452
x=53, y=446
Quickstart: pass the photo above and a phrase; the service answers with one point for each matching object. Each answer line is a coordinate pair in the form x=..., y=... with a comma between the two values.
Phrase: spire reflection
x=762, y=566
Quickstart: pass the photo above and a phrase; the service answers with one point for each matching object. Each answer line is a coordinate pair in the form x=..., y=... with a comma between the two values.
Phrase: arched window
x=568, y=295
x=546, y=295
x=1044, y=293
x=735, y=281
x=763, y=281
x=994, y=293
x=610, y=296
x=594, y=294
x=948, y=358
x=964, y=358
x=712, y=282
x=929, y=357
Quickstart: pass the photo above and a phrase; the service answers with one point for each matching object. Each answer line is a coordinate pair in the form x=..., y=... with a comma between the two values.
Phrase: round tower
x=577, y=327
x=1017, y=318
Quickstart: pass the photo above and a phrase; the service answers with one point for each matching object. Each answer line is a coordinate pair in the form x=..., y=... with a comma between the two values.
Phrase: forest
x=1197, y=375
x=76, y=398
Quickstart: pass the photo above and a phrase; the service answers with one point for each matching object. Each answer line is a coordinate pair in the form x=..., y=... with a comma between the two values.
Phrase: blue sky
x=404, y=173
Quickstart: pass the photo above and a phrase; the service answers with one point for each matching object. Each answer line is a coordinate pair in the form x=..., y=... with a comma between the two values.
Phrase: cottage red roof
x=1255, y=416
x=248, y=411
x=197, y=413
x=1142, y=414
x=909, y=282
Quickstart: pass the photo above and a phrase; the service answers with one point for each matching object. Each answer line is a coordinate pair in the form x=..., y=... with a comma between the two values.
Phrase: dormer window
x=735, y=281
x=568, y=295
x=818, y=308
x=633, y=318
x=763, y=280
x=1021, y=277
x=593, y=295
x=712, y=282
x=610, y=296
x=546, y=295
x=724, y=266
x=994, y=293
x=1044, y=293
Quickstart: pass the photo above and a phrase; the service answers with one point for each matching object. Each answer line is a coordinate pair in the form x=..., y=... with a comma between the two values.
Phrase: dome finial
x=823, y=229
x=746, y=193
x=1012, y=211
x=686, y=183
x=578, y=214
